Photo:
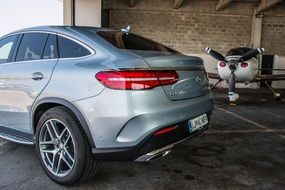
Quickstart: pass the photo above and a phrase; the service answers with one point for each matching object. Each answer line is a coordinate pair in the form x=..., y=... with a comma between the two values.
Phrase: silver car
x=83, y=95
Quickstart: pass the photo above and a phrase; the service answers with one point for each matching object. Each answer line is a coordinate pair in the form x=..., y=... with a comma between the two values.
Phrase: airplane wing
x=214, y=76
x=260, y=78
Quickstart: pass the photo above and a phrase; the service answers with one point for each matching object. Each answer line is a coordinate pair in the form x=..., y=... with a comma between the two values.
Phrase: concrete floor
x=244, y=149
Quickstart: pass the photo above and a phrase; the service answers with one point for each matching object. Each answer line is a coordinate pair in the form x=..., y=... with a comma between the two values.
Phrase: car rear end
x=144, y=111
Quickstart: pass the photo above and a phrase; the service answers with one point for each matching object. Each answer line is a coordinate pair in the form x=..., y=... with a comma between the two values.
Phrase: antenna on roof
x=126, y=30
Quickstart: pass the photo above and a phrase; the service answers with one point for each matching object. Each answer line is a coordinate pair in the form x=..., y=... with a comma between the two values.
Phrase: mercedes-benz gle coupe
x=83, y=95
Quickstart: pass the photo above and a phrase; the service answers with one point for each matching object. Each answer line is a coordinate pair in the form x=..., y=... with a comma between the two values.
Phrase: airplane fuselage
x=244, y=73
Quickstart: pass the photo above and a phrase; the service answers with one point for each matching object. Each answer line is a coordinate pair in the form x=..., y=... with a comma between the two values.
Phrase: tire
x=67, y=160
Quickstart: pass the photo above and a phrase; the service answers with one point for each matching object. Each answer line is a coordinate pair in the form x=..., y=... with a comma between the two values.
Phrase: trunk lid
x=193, y=81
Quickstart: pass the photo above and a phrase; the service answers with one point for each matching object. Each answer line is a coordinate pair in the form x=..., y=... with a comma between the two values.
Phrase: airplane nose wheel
x=233, y=99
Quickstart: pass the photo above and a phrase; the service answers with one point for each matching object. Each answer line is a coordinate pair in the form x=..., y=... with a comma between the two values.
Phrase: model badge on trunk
x=178, y=93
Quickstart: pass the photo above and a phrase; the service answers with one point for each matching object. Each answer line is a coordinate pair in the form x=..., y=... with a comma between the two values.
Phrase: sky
x=18, y=14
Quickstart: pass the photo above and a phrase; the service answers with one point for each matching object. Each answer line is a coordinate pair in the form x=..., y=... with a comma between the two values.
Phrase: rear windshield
x=133, y=42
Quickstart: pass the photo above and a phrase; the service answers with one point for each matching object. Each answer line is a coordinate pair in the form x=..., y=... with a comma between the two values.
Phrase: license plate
x=197, y=123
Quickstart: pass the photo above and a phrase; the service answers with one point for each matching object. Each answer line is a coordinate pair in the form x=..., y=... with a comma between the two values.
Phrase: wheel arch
x=46, y=103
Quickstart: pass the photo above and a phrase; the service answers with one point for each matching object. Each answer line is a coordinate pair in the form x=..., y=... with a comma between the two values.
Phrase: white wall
x=88, y=13
x=18, y=14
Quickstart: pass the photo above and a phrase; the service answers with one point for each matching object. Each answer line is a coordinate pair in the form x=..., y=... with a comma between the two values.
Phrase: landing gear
x=276, y=95
x=233, y=97
x=232, y=84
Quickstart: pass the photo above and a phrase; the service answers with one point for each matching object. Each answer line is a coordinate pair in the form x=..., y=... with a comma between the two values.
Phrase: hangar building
x=191, y=25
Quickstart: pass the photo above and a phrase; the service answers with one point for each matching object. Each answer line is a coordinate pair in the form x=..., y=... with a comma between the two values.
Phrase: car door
x=7, y=45
x=25, y=78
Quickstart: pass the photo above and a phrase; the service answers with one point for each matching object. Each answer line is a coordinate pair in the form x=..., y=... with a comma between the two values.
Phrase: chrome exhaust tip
x=160, y=155
x=156, y=154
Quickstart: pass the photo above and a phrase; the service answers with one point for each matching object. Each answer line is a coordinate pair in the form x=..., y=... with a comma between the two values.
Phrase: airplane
x=240, y=65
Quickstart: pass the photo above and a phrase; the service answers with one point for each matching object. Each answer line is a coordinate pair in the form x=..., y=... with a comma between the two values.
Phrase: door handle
x=37, y=76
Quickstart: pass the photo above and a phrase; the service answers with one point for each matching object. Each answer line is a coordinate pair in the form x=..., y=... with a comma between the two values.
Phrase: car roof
x=60, y=29
x=83, y=34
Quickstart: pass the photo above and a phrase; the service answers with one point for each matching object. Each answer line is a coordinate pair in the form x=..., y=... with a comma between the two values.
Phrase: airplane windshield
x=238, y=51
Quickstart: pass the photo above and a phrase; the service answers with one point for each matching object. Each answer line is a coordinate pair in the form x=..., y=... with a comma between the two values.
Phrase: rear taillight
x=222, y=64
x=136, y=80
x=243, y=65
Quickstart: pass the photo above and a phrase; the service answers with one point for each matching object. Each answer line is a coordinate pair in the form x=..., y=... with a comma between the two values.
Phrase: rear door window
x=31, y=47
x=51, y=51
x=70, y=49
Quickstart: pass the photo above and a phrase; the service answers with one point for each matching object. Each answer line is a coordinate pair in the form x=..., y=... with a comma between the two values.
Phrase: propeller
x=251, y=54
x=232, y=66
x=215, y=54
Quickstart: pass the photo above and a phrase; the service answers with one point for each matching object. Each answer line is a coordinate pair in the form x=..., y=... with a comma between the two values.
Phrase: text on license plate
x=198, y=123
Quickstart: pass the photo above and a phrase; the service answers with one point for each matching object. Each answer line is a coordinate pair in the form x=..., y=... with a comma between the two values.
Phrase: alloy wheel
x=56, y=147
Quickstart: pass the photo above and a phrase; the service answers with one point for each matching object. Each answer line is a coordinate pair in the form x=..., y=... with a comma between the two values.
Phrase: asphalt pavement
x=244, y=149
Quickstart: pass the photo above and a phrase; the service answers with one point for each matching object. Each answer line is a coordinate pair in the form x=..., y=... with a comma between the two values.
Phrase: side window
x=6, y=46
x=31, y=47
x=70, y=49
x=51, y=51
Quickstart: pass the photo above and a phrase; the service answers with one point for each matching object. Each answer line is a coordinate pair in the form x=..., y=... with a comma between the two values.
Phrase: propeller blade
x=215, y=54
x=251, y=54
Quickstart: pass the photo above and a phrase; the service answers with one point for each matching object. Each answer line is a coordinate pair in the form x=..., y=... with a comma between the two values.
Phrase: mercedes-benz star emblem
x=198, y=80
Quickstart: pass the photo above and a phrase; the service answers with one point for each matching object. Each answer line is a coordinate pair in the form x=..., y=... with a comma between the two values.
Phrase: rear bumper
x=148, y=144
x=119, y=119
